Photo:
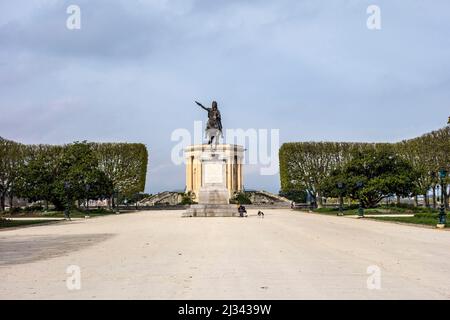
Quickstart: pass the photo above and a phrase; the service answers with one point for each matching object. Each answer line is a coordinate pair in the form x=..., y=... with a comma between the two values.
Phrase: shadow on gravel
x=26, y=249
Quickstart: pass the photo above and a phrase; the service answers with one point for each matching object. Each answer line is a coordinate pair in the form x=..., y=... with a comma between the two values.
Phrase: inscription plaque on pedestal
x=213, y=173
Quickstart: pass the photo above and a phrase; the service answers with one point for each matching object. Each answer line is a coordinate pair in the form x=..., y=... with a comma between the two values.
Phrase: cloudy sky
x=311, y=69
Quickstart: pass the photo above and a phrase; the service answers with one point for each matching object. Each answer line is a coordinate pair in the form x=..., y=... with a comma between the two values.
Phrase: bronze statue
x=214, y=125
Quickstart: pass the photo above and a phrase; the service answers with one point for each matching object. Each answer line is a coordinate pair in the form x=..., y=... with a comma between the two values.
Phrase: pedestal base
x=212, y=210
x=213, y=195
x=440, y=226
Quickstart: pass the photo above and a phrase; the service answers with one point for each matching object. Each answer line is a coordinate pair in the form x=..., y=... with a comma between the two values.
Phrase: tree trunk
x=2, y=202
x=398, y=200
x=444, y=196
x=46, y=205
x=11, y=202
x=416, y=201
x=434, y=197
x=426, y=200
x=320, y=200
x=448, y=201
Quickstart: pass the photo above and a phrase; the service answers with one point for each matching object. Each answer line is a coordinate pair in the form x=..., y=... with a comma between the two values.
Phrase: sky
x=311, y=69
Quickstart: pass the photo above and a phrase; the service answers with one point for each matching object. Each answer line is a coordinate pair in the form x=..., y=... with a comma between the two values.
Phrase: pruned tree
x=428, y=154
x=77, y=171
x=125, y=164
x=371, y=176
x=305, y=165
x=39, y=172
x=11, y=160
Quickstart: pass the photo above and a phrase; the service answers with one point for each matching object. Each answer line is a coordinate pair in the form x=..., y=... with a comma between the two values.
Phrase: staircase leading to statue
x=162, y=198
x=265, y=198
x=258, y=198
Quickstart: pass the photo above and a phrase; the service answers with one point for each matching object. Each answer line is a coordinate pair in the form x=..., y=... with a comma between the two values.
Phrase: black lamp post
x=360, y=185
x=67, y=209
x=442, y=214
x=340, y=186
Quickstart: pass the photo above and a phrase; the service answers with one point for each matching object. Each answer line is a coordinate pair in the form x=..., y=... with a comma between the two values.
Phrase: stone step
x=211, y=210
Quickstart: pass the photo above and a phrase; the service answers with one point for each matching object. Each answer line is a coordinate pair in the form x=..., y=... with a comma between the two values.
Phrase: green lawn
x=354, y=211
x=425, y=219
x=423, y=216
x=77, y=213
x=6, y=223
x=383, y=209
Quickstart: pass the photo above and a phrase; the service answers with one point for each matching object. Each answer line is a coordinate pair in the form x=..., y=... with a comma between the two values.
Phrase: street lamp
x=67, y=208
x=360, y=185
x=442, y=214
x=340, y=186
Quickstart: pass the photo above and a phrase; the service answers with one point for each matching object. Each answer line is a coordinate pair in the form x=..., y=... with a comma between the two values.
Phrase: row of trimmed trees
x=61, y=175
x=404, y=169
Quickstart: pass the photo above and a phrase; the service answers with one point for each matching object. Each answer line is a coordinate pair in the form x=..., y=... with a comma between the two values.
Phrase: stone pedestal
x=233, y=156
x=213, y=195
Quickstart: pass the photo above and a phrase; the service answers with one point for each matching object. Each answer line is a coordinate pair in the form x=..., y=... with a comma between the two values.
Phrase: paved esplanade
x=289, y=255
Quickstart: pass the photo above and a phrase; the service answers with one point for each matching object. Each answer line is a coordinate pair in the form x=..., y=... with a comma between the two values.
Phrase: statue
x=214, y=125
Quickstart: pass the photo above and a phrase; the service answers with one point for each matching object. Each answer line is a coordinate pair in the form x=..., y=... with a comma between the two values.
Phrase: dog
x=260, y=214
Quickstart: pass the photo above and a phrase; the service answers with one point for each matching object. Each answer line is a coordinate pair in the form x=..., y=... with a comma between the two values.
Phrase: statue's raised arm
x=202, y=106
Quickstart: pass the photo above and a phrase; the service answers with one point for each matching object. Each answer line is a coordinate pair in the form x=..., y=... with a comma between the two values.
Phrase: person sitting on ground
x=242, y=211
